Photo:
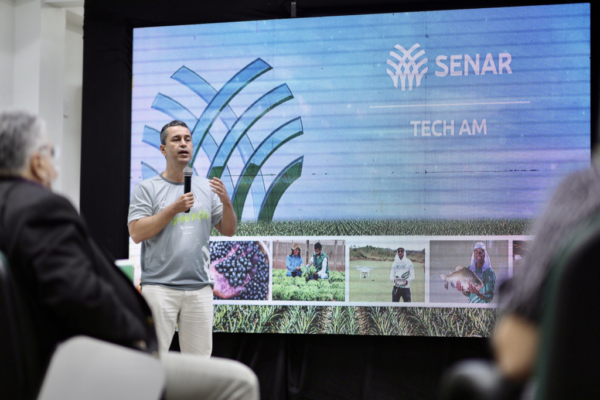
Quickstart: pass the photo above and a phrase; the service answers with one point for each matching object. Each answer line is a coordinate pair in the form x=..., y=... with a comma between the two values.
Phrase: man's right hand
x=183, y=203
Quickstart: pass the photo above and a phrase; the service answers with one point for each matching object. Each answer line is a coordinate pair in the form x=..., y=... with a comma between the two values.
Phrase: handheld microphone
x=187, y=182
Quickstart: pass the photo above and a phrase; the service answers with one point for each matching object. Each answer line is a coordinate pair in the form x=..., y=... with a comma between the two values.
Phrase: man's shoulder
x=148, y=188
x=24, y=194
x=25, y=198
x=151, y=182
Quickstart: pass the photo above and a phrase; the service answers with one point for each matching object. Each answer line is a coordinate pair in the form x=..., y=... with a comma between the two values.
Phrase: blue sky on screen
x=366, y=151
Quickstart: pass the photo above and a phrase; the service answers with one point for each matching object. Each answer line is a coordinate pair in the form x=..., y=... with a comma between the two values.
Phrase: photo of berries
x=240, y=270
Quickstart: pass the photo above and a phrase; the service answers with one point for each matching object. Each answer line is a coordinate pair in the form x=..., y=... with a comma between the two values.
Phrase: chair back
x=569, y=351
x=20, y=372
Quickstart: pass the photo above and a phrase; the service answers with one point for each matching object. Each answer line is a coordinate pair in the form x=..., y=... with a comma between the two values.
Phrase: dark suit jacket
x=69, y=285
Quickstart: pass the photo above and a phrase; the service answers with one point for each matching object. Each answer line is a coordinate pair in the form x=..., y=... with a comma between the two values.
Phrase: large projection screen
x=436, y=132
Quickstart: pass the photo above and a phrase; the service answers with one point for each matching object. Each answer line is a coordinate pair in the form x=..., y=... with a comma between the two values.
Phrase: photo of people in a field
x=387, y=271
x=309, y=270
x=467, y=271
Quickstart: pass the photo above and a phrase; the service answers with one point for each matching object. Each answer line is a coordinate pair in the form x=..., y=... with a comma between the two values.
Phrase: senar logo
x=407, y=66
x=457, y=68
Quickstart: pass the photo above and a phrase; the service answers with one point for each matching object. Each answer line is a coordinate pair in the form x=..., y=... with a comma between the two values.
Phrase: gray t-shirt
x=178, y=257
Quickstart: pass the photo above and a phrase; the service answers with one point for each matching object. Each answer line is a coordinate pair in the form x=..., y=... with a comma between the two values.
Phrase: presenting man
x=175, y=260
x=402, y=274
x=69, y=286
x=319, y=260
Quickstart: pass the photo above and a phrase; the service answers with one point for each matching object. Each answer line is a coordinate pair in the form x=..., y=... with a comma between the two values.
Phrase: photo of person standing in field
x=375, y=263
x=402, y=273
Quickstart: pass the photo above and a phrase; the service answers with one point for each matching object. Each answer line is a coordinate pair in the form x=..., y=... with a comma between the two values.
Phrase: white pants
x=110, y=369
x=192, y=310
x=192, y=377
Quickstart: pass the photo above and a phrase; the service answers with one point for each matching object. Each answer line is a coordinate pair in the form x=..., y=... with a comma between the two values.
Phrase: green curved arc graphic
x=239, y=81
x=151, y=136
x=176, y=110
x=274, y=141
x=218, y=107
x=207, y=92
x=255, y=112
x=284, y=179
x=148, y=171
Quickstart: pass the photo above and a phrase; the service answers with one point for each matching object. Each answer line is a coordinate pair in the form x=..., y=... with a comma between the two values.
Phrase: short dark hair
x=164, y=133
x=318, y=246
x=398, y=249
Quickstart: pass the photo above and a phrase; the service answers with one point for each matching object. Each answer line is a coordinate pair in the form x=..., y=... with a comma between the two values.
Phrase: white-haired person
x=69, y=285
x=482, y=267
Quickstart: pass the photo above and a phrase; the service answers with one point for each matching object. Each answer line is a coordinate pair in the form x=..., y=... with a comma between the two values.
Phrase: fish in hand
x=463, y=275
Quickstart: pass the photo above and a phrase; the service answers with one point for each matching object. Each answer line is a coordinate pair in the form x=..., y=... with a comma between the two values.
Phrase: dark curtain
x=346, y=367
x=288, y=366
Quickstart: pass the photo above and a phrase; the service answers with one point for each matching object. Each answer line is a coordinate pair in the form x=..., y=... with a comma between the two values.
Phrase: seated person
x=293, y=262
x=516, y=335
x=319, y=260
x=69, y=285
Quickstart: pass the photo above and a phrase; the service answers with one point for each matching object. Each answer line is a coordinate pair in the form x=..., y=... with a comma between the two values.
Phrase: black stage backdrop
x=288, y=366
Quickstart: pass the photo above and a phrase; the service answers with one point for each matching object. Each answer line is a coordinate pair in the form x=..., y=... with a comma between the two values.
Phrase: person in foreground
x=482, y=267
x=401, y=274
x=516, y=336
x=176, y=279
x=70, y=286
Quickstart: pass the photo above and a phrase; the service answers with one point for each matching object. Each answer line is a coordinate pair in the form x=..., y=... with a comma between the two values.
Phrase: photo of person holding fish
x=480, y=290
x=476, y=281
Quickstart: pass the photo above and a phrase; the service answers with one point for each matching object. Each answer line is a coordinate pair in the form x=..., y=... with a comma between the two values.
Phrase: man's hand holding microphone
x=184, y=203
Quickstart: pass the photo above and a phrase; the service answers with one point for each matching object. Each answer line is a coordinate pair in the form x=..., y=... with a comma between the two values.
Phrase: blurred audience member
x=516, y=336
